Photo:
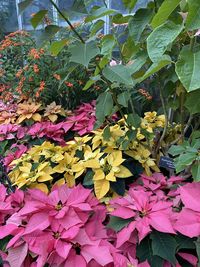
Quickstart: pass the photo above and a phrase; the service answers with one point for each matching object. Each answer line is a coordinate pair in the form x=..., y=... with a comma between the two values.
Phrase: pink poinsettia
x=7, y=131
x=64, y=228
x=19, y=150
x=83, y=119
x=146, y=212
x=188, y=220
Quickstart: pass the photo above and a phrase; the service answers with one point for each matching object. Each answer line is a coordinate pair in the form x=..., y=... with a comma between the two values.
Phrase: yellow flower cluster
x=96, y=153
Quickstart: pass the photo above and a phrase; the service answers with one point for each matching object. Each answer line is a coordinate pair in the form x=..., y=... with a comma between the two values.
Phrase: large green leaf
x=23, y=5
x=184, y=242
x=57, y=46
x=129, y=49
x=107, y=44
x=83, y=53
x=160, y=38
x=155, y=67
x=144, y=252
x=187, y=69
x=117, y=223
x=98, y=25
x=191, y=102
x=98, y=12
x=139, y=22
x=104, y=106
x=123, y=99
x=164, y=246
x=38, y=18
x=118, y=73
x=164, y=12
x=193, y=17
x=138, y=61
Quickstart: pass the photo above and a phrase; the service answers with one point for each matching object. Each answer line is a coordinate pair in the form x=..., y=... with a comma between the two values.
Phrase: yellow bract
x=110, y=168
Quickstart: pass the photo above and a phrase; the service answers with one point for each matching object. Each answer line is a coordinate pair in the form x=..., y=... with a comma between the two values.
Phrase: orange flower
x=35, y=54
x=35, y=68
x=69, y=84
x=42, y=86
x=19, y=73
x=144, y=93
x=57, y=77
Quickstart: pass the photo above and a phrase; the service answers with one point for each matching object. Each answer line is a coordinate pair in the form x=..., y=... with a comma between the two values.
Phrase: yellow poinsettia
x=28, y=110
x=48, y=151
x=78, y=143
x=28, y=173
x=110, y=168
x=52, y=111
x=66, y=166
x=90, y=160
x=152, y=121
x=143, y=155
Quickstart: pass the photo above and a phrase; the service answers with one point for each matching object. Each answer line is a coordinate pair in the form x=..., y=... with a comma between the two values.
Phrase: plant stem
x=68, y=22
x=166, y=119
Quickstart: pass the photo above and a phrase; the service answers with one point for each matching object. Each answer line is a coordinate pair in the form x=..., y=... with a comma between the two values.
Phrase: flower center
x=77, y=248
x=143, y=213
x=56, y=235
x=59, y=206
x=106, y=168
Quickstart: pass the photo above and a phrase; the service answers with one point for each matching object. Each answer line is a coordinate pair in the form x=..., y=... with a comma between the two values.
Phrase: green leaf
x=193, y=17
x=23, y=5
x=98, y=12
x=164, y=246
x=130, y=4
x=83, y=53
x=197, y=244
x=104, y=106
x=120, y=19
x=144, y=252
x=88, y=178
x=118, y=73
x=155, y=67
x=107, y=44
x=139, y=22
x=184, y=242
x=117, y=223
x=187, y=69
x=57, y=46
x=161, y=38
x=134, y=120
x=118, y=186
x=196, y=171
x=176, y=150
x=165, y=10
x=123, y=99
x=91, y=82
x=106, y=133
x=98, y=25
x=139, y=60
x=38, y=18
x=52, y=29
x=191, y=102
x=129, y=49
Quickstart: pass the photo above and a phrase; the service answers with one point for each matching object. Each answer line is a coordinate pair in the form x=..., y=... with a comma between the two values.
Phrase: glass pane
x=8, y=16
x=118, y=5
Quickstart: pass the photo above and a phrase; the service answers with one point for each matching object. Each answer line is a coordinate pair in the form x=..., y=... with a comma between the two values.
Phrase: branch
x=68, y=22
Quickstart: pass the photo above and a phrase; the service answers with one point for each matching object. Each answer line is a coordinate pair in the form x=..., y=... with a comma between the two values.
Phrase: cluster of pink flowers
x=68, y=226
x=64, y=228
x=154, y=203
